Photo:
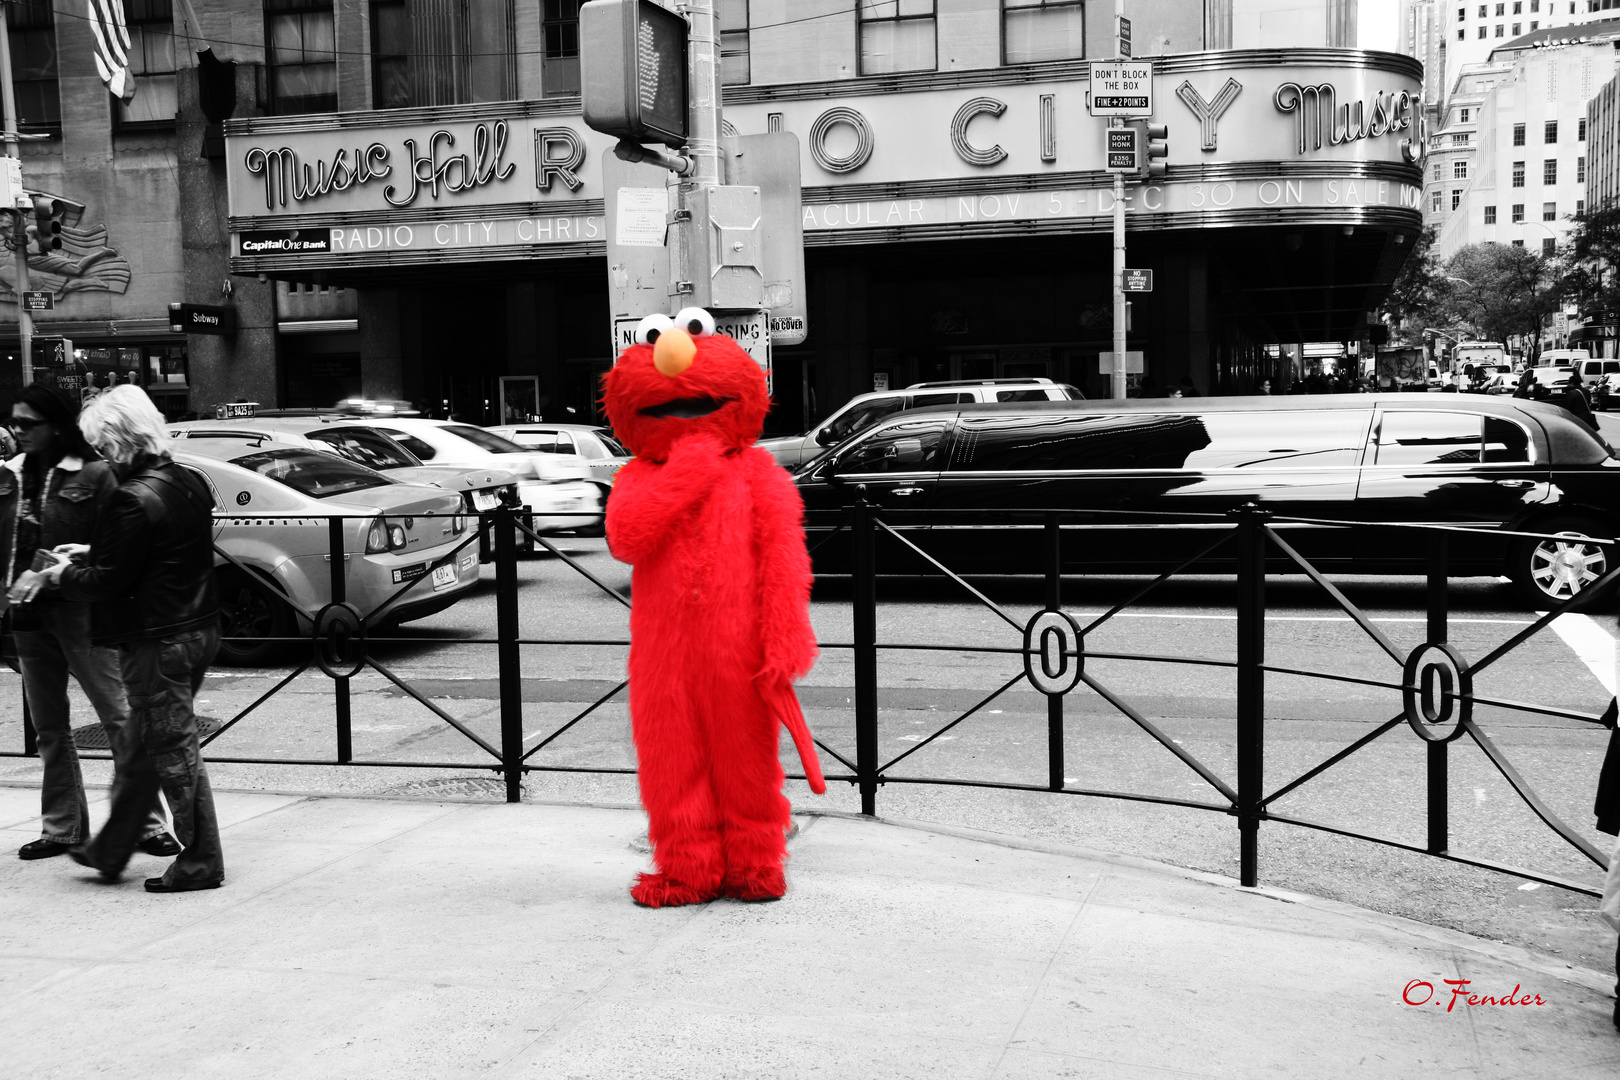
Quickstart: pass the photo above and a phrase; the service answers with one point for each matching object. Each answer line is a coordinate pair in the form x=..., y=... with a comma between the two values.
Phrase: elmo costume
x=720, y=626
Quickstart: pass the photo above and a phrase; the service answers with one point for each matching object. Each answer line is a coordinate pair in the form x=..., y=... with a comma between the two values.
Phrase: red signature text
x=1419, y=992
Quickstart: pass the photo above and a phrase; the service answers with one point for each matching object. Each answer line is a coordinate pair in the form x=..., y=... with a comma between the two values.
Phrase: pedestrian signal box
x=632, y=71
x=1122, y=145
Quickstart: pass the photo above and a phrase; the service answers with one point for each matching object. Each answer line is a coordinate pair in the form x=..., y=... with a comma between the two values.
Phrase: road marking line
x=1589, y=641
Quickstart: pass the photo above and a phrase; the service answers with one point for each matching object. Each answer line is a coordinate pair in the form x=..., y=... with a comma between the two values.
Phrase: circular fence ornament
x=1054, y=652
x=340, y=640
x=1436, y=692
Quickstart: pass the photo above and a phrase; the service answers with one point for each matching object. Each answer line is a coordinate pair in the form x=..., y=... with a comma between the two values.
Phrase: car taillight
x=382, y=536
x=458, y=524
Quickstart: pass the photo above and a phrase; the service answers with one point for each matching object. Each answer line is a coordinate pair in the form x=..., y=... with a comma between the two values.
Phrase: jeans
x=47, y=655
x=163, y=677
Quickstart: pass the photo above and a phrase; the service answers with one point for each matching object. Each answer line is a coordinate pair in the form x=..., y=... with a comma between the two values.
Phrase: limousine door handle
x=1519, y=485
x=906, y=491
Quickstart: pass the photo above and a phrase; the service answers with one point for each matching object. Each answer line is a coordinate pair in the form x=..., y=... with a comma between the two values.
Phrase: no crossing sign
x=1121, y=88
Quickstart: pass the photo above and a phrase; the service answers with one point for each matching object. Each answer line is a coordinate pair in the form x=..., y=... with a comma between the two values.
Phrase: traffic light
x=632, y=71
x=51, y=212
x=1152, y=149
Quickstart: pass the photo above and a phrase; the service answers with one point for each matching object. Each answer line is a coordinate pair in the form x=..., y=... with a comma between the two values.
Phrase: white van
x=1562, y=358
x=864, y=410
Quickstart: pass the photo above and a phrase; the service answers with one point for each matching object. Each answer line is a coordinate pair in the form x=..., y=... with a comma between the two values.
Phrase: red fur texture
x=720, y=622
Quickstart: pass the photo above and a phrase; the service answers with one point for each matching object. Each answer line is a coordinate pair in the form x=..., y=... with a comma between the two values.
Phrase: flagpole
x=19, y=232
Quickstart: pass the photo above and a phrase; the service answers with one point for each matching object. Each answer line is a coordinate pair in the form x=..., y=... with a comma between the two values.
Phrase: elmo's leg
x=673, y=772
x=754, y=814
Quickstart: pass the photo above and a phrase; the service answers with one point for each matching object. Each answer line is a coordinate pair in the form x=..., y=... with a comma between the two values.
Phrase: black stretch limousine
x=1500, y=463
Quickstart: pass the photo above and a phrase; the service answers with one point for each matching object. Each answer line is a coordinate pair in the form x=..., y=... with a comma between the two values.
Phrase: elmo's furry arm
x=649, y=499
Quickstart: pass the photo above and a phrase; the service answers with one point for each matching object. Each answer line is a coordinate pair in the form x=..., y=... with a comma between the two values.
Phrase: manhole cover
x=94, y=736
x=456, y=787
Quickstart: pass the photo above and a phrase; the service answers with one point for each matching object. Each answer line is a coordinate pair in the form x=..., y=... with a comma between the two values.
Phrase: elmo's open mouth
x=685, y=408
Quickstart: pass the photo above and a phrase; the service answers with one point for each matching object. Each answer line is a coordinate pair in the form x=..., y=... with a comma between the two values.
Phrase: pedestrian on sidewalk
x=150, y=576
x=1607, y=809
x=50, y=494
x=1574, y=399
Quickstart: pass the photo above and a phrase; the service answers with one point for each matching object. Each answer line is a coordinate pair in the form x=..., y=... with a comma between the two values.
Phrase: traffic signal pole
x=1119, y=376
x=703, y=71
x=19, y=232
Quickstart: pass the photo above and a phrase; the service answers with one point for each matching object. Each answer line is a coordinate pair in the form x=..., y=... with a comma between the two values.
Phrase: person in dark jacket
x=1574, y=399
x=149, y=574
x=1527, y=385
x=51, y=494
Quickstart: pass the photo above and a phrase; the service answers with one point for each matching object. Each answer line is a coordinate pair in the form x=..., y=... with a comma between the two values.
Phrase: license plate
x=486, y=500
x=443, y=577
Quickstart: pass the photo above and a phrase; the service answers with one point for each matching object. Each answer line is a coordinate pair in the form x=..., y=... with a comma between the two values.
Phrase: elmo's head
x=681, y=377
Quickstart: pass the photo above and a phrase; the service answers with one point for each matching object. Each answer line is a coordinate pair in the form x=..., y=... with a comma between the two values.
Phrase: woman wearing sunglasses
x=50, y=494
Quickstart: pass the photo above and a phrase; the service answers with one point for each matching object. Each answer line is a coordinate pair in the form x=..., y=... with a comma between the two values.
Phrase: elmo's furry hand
x=720, y=628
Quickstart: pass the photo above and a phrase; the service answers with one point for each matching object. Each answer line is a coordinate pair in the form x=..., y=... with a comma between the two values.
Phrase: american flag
x=112, y=47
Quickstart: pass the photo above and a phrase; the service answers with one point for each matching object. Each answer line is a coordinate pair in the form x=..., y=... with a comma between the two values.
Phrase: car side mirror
x=825, y=437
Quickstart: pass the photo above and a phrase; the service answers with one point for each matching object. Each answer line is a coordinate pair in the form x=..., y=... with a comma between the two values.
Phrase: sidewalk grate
x=94, y=736
x=458, y=787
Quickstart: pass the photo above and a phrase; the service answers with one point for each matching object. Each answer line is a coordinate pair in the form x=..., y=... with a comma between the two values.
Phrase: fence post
x=1439, y=779
x=511, y=675
x=1251, y=650
x=1054, y=702
x=864, y=584
x=340, y=594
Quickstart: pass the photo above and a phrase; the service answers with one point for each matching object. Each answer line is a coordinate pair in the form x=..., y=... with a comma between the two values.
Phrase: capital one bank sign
x=1251, y=139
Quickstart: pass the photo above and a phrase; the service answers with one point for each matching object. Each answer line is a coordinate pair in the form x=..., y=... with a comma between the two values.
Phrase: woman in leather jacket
x=52, y=493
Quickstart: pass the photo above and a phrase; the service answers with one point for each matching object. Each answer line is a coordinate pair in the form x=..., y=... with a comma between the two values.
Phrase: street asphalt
x=361, y=938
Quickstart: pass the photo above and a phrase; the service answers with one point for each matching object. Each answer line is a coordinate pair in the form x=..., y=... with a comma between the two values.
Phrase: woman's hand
x=72, y=551
x=26, y=587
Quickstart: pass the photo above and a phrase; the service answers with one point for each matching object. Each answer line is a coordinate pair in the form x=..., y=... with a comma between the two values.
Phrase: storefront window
x=151, y=61
x=1033, y=31
x=301, y=52
x=32, y=27
x=897, y=35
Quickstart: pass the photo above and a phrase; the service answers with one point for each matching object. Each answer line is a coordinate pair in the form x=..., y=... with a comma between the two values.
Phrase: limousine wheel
x=250, y=609
x=1551, y=571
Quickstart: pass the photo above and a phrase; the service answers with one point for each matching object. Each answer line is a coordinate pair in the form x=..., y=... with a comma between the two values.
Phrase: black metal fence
x=1432, y=684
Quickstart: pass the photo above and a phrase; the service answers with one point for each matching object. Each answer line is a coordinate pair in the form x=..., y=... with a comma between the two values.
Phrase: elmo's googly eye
x=648, y=329
x=695, y=321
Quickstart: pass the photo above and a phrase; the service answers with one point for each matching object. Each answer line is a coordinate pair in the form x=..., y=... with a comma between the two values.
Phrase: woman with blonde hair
x=149, y=574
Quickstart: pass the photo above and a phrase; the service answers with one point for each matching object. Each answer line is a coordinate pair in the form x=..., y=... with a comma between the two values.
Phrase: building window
x=1462, y=34
x=1535, y=6
x=1462, y=14
x=1459, y=170
x=1550, y=135
x=1518, y=212
x=1549, y=211
x=1518, y=134
x=1518, y=243
x=1518, y=174
x=1518, y=7
x=1501, y=9
x=1461, y=138
x=1549, y=171
x=390, y=55
x=1482, y=31
x=734, y=67
x=301, y=54
x=1516, y=30
x=151, y=61
x=1549, y=246
x=1464, y=114
x=1498, y=29
x=1490, y=215
x=1037, y=30
x=1580, y=130
x=1482, y=11
x=1534, y=26
x=1437, y=170
x=1434, y=200
x=1580, y=207
x=896, y=35
x=33, y=64
x=559, y=30
x=1456, y=198
x=1580, y=170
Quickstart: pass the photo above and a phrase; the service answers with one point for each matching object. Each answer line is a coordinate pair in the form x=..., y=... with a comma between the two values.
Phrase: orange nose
x=673, y=352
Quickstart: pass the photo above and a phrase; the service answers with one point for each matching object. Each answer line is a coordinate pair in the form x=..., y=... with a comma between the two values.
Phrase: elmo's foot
x=754, y=883
x=660, y=890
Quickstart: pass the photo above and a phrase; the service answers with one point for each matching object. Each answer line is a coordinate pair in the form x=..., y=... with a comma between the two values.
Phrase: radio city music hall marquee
x=519, y=185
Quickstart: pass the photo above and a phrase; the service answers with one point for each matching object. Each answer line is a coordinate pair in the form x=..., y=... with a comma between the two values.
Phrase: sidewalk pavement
x=359, y=938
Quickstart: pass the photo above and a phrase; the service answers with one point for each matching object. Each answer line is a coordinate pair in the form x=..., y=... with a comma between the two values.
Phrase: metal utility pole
x=19, y=232
x=1119, y=377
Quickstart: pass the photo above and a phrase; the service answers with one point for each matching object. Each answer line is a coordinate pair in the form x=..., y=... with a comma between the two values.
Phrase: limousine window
x=1435, y=438
x=861, y=417
x=911, y=446
x=1213, y=440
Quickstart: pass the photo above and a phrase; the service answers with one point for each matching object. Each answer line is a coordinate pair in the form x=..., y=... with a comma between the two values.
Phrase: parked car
x=596, y=446
x=1496, y=463
x=272, y=501
x=479, y=488
x=559, y=494
x=864, y=410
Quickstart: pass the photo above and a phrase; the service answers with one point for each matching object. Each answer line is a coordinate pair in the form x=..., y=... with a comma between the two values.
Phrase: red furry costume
x=720, y=626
